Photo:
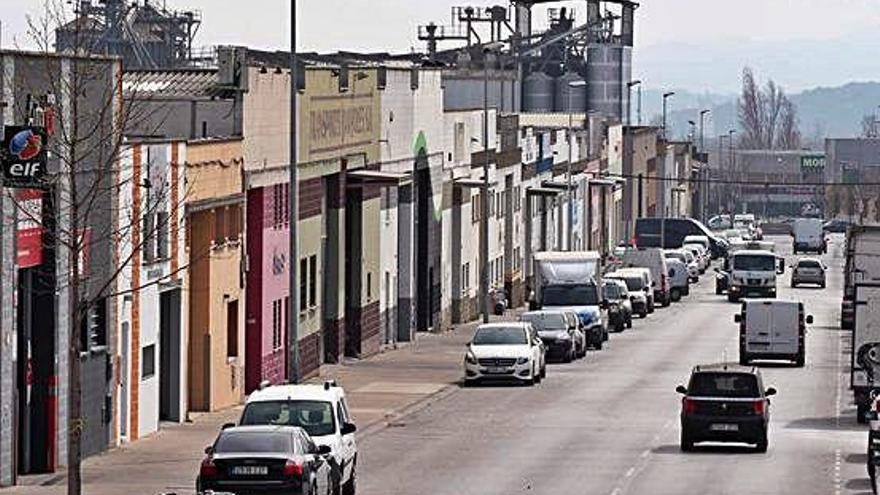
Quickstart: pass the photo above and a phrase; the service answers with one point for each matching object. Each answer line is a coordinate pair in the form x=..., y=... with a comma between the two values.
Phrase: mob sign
x=23, y=156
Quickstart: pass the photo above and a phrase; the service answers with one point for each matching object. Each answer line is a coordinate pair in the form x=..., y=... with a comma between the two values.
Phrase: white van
x=808, y=236
x=653, y=259
x=679, y=279
x=752, y=273
x=772, y=329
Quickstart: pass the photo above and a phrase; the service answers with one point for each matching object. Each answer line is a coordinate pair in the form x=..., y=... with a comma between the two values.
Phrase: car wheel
x=732, y=298
x=598, y=345
x=569, y=356
x=350, y=486
x=675, y=295
x=761, y=446
x=718, y=290
x=544, y=371
x=743, y=358
x=687, y=443
x=800, y=360
x=822, y=285
x=643, y=314
x=651, y=307
x=861, y=411
x=629, y=322
x=793, y=284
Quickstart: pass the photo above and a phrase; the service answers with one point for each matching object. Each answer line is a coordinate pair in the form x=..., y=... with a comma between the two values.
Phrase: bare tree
x=767, y=117
x=83, y=184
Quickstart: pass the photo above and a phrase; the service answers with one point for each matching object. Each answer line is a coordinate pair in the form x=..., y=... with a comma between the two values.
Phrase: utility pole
x=569, y=198
x=484, y=207
x=293, y=240
x=732, y=163
x=702, y=116
x=629, y=87
x=665, y=97
x=639, y=107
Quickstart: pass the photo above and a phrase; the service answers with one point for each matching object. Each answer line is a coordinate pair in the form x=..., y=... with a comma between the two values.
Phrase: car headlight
x=563, y=336
x=522, y=360
x=470, y=358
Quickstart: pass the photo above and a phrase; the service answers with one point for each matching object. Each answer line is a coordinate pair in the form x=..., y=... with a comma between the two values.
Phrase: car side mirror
x=324, y=450
x=737, y=318
x=632, y=298
x=227, y=426
x=604, y=304
x=809, y=319
x=717, y=270
x=348, y=428
x=770, y=391
x=209, y=450
x=681, y=389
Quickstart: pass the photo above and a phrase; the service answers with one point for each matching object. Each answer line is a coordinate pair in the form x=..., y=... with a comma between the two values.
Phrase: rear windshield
x=500, y=336
x=676, y=256
x=316, y=417
x=612, y=291
x=633, y=283
x=253, y=442
x=754, y=262
x=570, y=295
x=809, y=264
x=741, y=385
x=545, y=321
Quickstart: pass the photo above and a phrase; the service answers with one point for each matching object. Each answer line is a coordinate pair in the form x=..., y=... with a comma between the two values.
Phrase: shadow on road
x=701, y=449
x=828, y=423
x=857, y=458
x=858, y=484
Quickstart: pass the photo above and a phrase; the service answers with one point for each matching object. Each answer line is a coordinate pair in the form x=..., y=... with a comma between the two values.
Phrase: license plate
x=724, y=427
x=496, y=370
x=250, y=470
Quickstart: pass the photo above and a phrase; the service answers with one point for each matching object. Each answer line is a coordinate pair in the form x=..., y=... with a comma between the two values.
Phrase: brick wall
x=371, y=338
x=310, y=354
x=311, y=194
x=272, y=366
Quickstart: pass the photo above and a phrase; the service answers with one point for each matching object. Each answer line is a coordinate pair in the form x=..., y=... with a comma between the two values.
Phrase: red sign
x=30, y=227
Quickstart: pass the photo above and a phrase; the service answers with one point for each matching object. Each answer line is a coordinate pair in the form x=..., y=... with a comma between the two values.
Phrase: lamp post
x=721, y=172
x=293, y=244
x=568, y=198
x=488, y=49
x=692, y=131
x=702, y=116
x=732, y=164
x=665, y=97
x=629, y=87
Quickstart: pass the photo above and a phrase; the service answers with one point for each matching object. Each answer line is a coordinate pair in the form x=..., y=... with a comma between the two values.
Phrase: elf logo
x=25, y=145
x=24, y=156
x=27, y=170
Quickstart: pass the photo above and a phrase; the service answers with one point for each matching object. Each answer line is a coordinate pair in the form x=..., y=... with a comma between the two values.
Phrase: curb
x=395, y=415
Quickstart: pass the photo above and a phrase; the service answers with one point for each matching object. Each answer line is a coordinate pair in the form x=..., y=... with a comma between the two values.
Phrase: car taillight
x=208, y=469
x=293, y=469
x=759, y=407
x=688, y=406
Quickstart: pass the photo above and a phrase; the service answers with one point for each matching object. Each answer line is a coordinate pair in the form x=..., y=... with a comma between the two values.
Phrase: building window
x=313, y=280
x=517, y=199
x=369, y=286
x=303, y=284
x=162, y=231
x=477, y=207
x=93, y=327
x=232, y=329
x=148, y=361
x=149, y=242
x=459, y=144
x=278, y=317
x=219, y=226
x=465, y=277
x=491, y=204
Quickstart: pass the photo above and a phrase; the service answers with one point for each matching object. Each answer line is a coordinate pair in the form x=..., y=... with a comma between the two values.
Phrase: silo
x=538, y=91
x=566, y=96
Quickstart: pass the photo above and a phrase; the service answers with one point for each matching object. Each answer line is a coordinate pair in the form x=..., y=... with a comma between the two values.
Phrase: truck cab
x=753, y=273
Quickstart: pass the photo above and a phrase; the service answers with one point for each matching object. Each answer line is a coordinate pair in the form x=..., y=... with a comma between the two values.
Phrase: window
x=149, y=244
x=465, y=277
x=219, y=226
x=148, y=361
x=233, y=223
x=369, y=286
x=313, y=280
x=162, y=228
x=477, y=207
x=517, y=201
x=277, y=318
x=491, y=204
x=552, y=137
x=499, y=201
x=459, y=145
x=232, y=329
x=93, y=328
x=303, y=284
x=282, y=333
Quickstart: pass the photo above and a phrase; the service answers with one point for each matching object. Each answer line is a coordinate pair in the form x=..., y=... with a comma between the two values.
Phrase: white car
x=703, y=257
x=322, y=412
x=508, y=351
x=686, y=257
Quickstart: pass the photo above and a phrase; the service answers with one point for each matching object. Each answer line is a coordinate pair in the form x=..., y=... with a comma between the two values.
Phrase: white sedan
x=508, y=351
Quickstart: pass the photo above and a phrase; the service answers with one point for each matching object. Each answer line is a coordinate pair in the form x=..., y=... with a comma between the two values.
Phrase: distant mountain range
x=823, y=112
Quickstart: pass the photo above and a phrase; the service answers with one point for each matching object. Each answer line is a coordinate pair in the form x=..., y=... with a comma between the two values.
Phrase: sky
x=699, y=45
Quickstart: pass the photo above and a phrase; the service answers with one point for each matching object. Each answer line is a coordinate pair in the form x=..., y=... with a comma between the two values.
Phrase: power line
x=736, y=182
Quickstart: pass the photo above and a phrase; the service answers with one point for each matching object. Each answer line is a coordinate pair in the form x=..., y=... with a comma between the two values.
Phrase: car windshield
x=545, y=321
x=612, y=291
x=570, y=295
x=316, y=417
x=809, y=264
x=500, y=336
x=676, y=256
x=754, y=262
x=253, y=442
x=737, y=385
x=633, y=283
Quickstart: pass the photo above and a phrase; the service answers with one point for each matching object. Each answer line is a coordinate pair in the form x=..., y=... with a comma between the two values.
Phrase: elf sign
x=23, y=156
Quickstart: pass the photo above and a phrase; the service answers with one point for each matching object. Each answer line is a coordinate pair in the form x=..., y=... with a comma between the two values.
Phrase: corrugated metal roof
x=170, y=83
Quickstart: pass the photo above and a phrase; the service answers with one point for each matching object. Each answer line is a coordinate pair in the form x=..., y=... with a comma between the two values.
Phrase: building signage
x=813, y=162
x=23, y=156
x=29, y=236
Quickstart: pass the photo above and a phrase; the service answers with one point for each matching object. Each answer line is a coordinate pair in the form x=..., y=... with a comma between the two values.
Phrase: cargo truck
x=862, y=265
x=865, y=351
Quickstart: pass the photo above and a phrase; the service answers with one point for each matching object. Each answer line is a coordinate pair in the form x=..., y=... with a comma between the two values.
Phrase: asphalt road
x=608, y=424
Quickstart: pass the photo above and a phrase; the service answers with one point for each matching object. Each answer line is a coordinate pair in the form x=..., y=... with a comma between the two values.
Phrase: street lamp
x=293, y=238
x=692, y=130
x=568, y=198
x=488, y=49
x=629, y=87
x=665, y=97
x=732, y=164
x=702, y=115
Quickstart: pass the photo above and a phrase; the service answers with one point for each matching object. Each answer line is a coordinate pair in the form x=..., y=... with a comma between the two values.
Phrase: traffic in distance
x=761, y=288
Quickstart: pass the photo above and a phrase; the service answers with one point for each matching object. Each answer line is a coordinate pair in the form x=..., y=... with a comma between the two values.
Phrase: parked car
x=620, y=310
x=322, y=411
x=686, y=257
x=559, y=331
x=808, y=271
x=510, y=351
x=772, y=329
x=836, y=226
x=636, y=289
x=725, y=403
x=266, y=459
x=499, y=301
x=645, y=286
x=702, y=256
x=675, y=231
x=679, y=280
x=653, y=260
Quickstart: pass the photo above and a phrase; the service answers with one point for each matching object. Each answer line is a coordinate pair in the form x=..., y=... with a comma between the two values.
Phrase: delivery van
x=772, y=329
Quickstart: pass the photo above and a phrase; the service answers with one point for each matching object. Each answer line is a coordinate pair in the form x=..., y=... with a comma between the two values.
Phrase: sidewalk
x=380, y=390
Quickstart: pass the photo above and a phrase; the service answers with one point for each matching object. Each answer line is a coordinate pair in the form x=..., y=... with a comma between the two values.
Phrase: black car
x=674, y=230
x=265, y=460
x=836, y=226
x=619, y=306
x=725, y=403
